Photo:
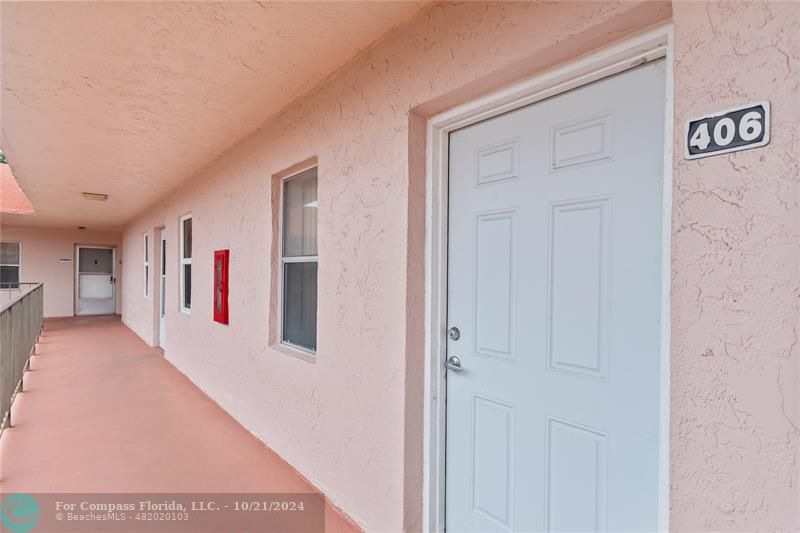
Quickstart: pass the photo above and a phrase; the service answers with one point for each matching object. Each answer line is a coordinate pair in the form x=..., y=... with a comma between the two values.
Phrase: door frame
x=77, y=280
x=649, y=45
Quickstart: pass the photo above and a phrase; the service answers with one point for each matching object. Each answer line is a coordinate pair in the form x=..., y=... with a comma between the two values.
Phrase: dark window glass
x=96, y=260
x=9, y=253
x=300, y=304
x=187, y=284
x=9, y=277
x=187, y=238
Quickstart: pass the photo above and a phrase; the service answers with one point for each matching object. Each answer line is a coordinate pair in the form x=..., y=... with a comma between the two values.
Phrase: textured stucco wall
x=41, y=250
x=736, y=276
x=351, y=422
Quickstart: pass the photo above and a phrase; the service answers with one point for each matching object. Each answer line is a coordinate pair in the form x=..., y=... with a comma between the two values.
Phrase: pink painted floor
x=103, y=412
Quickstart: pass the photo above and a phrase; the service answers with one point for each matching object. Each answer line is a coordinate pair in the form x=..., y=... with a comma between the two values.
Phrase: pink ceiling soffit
x=12, y=199
x=131, y=99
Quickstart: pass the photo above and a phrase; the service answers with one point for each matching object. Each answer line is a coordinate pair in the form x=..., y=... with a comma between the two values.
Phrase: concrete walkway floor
x=102, y=412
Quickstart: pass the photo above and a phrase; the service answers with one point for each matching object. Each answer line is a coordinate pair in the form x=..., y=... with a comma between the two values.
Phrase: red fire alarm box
x=221, y=286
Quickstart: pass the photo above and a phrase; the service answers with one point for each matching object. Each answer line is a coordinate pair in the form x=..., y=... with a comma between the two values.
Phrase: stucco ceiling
x=131, y=98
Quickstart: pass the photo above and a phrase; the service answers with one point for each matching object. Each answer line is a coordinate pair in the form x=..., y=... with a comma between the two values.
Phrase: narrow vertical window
x=9, y=265
x=186, y=263
x=162, y=283
x=299, y=261
x=146, y=255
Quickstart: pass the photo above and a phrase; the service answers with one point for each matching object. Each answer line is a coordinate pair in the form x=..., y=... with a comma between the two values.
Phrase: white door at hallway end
x=554, y=285
x=95, y=284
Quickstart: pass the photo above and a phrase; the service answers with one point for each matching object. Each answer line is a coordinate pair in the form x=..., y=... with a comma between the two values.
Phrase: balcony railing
x=21, y=319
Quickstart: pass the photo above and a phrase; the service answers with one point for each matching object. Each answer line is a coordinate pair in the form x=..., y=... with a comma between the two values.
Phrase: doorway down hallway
x=102, y=412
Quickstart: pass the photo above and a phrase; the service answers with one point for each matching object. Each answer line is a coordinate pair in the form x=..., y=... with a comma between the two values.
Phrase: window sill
x=295, y=351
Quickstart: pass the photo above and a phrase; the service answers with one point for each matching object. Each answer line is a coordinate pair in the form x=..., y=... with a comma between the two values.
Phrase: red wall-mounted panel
x=221, y=286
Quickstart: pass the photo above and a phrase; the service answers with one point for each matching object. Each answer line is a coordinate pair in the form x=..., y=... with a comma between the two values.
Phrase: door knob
x=454, y=363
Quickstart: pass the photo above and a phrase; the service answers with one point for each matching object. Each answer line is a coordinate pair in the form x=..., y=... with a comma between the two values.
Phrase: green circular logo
x=20, y=513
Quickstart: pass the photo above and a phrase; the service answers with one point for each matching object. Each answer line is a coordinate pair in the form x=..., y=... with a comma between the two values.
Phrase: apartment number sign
x=728, y=131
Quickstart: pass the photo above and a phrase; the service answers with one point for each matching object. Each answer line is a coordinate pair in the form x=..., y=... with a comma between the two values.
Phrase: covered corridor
x=101, y=412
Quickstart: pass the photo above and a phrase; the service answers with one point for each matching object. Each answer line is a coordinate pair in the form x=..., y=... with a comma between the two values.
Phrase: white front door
x=554, y=281
x=162, y=291
x=95, y=283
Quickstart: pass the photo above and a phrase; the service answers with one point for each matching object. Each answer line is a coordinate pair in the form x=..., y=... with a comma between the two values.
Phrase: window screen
x=186, y=263
x=299, y=260
x=9, y=265
x=9, y=253
x=146, y=254
x=187, y=238
x=95, y=261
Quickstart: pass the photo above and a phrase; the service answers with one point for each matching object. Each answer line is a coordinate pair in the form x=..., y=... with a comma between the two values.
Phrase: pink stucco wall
x=41, y=250
x=352, y=421
x=736, y=276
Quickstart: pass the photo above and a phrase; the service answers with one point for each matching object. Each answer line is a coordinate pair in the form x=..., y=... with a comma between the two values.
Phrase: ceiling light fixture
x=95, y=197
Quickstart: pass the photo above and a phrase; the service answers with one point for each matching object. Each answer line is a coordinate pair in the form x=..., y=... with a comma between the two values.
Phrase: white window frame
x=184, y=261
x=18, y=265
x=146, y=263
x=296, y=259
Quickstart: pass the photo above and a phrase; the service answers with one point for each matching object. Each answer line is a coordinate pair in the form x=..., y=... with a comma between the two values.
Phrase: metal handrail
x=21, y=321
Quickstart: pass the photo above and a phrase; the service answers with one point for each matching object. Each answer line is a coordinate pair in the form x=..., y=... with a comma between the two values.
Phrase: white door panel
x=95, y=286
x=554, y=281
